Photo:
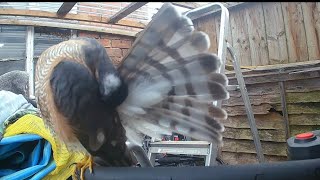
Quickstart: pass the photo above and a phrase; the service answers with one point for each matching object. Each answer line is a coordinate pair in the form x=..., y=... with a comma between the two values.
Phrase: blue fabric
x=25, y=156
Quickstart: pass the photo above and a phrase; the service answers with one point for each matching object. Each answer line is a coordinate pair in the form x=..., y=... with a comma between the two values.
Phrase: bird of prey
x=167, y=83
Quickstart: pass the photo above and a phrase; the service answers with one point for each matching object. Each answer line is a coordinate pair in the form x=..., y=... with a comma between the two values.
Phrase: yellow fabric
x=63, y=158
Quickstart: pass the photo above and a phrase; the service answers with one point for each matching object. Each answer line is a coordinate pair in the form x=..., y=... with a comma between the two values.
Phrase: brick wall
x=116, y=46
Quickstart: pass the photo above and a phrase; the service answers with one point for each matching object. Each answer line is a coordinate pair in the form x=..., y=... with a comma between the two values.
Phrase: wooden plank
x=292, y=67
x=304, y=119
x=228, y=36
x=257, y=35
x=125, y=11
x=276, y=77
x=256, y=100
x=302, y=108
x=294, y=88
x=208, y=26
x=303, y=85
x=65, y=8
x=271, y=121
x=240, y=110
x=245, y=158
x=312, y=34
x=189, y=5
x=240, y=36
x=303, y=129
x=29, y=60
x=67, y=26
x=316, y=14
x=78, y=17
x=276, y=38
x=275, y=98
x=295, y=31
x=247, y=146
x=265, y=135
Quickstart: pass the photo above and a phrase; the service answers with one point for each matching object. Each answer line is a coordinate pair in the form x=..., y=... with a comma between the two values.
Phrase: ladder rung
x=233, y=87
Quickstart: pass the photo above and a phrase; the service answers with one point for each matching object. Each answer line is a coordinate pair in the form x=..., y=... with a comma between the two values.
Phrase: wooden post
x=29, y=59
x=74, y=33
x=284, y=108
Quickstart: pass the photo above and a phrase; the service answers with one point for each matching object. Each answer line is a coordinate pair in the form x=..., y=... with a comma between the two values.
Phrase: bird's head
x=113, y=89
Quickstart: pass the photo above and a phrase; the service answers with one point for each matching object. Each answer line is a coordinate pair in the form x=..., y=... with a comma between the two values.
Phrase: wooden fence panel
x=240, y=37
x=265, y=33
x=257, y=35
x=295, y=32
x=276, y=37
x=311, y=31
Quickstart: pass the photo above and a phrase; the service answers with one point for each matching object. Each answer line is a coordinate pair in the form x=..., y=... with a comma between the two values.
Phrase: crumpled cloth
x=13, y=106
x=25, y=156
x=28, y=150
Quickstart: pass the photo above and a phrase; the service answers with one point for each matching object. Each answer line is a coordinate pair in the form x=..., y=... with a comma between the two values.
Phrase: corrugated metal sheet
x=12, y=42
x=44, y=41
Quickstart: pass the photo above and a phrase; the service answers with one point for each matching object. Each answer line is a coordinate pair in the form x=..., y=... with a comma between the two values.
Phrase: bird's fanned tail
x=173, y=81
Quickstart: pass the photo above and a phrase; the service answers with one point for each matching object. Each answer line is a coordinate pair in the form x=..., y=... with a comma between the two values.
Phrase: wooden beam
x=189, y=5
x=67, y=26
x=29, y=61
x=126, y=11
x=77, y=17
x=65, y=8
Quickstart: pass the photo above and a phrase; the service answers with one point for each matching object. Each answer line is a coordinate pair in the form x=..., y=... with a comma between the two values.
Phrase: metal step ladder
x=203, y=148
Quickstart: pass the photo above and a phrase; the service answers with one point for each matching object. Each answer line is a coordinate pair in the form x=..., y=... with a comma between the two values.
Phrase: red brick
x=125, y=52
x=114, y=52
x=105, y=36
x=105, y=42
x=89, y=34
x=117, y=37
x=112, y=36
x=121, y=43
x=116, y=60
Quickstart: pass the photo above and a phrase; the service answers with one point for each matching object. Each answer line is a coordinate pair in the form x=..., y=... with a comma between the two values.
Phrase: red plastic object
x=307, y=135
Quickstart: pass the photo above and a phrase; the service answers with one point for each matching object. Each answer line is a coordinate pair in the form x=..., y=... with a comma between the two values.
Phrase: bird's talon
x=87, y=163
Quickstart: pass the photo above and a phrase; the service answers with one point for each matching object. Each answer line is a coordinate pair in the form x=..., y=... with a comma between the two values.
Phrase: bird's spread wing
x=173, y=81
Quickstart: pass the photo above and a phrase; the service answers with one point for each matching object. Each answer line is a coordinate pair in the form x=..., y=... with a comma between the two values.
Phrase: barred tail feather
x=173, y=81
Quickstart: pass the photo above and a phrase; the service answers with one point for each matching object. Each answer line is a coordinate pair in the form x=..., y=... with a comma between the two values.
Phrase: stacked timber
x=302, y=91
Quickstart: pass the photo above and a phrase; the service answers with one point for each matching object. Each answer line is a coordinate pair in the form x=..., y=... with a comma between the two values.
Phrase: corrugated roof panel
x=43, y=41
x=12, y=42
